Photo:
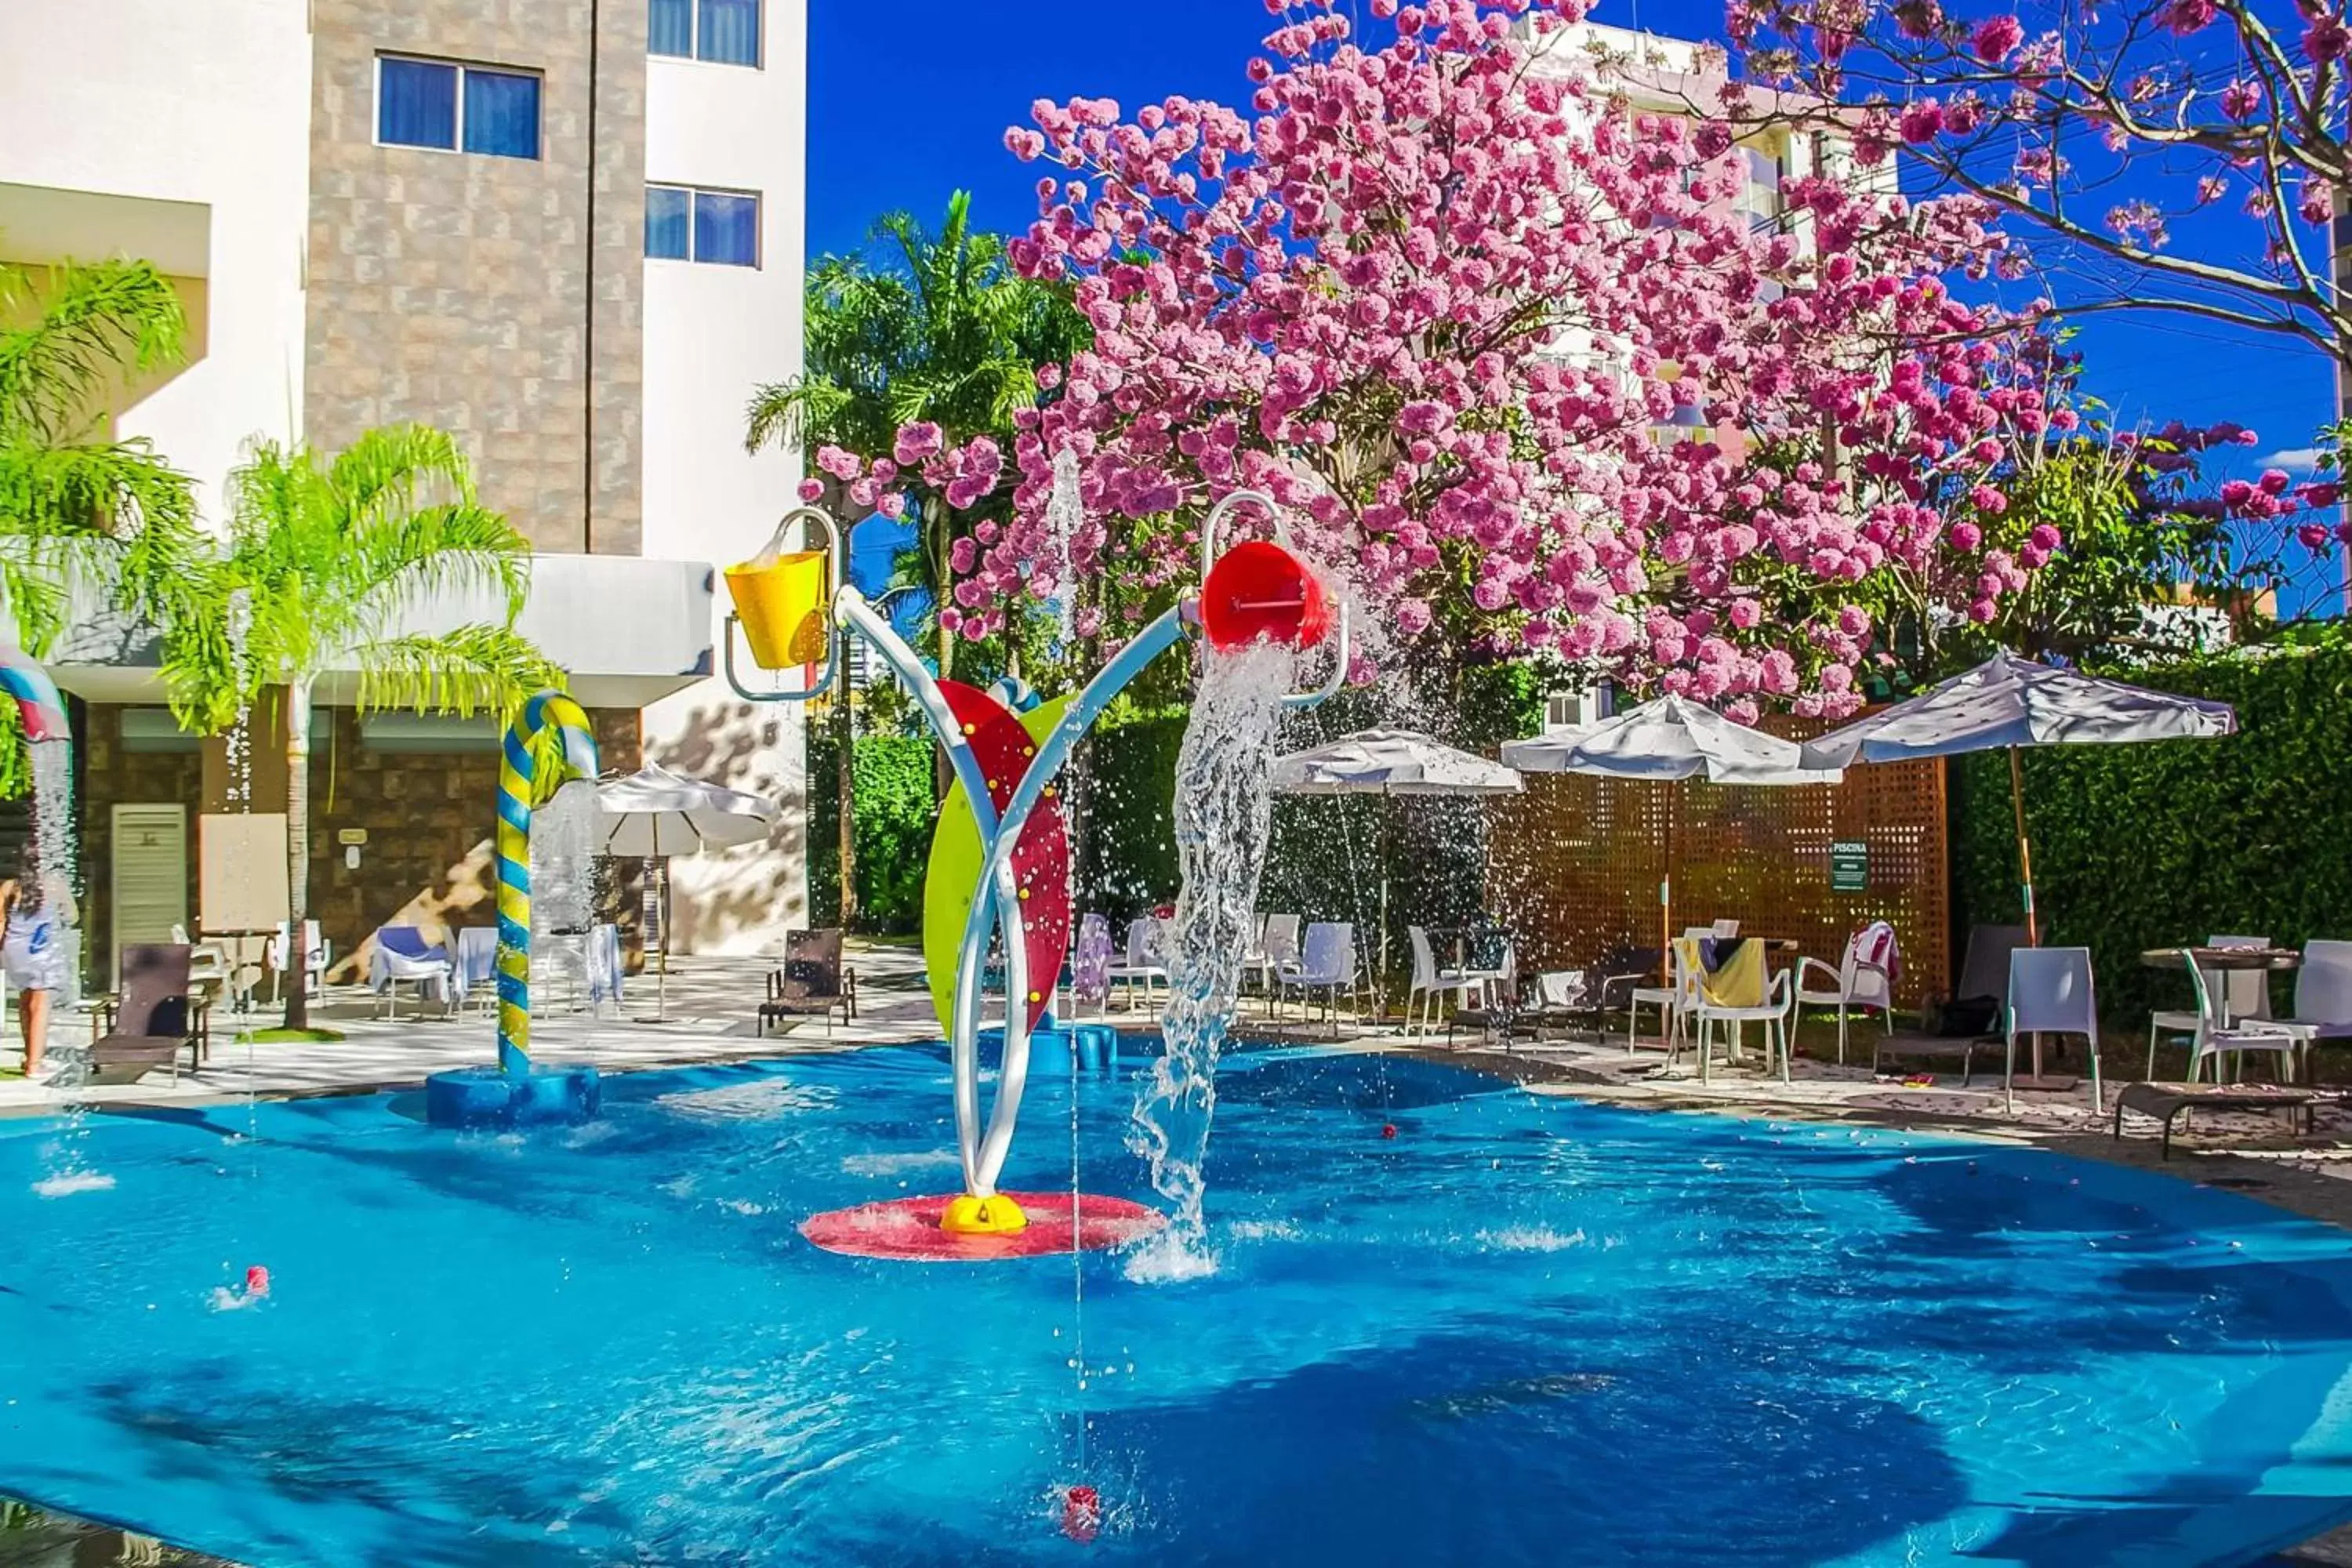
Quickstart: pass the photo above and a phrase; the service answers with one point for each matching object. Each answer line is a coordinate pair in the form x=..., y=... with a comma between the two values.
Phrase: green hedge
x=895, y=810
x=2149, y=845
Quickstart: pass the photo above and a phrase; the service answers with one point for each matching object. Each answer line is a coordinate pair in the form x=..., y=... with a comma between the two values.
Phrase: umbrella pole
x=1380, y=985
x=2024, y=848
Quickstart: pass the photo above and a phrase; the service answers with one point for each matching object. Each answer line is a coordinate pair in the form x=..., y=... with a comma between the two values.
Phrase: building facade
x=568, y=231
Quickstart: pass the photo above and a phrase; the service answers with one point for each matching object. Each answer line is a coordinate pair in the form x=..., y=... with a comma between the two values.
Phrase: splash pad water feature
x=515, y=1093
x=1001, y=856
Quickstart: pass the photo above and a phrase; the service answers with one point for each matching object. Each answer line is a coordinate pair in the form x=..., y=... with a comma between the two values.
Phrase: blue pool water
x=1526, y=1329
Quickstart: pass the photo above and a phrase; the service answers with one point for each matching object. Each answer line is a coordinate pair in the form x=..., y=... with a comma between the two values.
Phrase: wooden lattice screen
x=1574, y=865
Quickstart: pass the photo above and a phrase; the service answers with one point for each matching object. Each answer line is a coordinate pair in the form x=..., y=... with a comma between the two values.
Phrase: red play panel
x=909, y=1228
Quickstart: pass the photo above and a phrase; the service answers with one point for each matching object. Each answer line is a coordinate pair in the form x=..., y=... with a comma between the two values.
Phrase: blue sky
x=909, y=101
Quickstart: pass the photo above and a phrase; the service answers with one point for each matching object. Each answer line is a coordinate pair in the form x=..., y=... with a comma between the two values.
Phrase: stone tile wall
x=499, y=298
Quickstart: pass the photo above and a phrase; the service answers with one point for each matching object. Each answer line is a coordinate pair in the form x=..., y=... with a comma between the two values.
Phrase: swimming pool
x=1525, y=1329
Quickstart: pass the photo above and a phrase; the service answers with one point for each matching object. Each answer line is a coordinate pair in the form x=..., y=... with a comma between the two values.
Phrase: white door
x=149, y=890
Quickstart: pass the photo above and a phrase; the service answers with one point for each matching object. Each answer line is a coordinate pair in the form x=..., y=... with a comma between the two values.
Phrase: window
x=725, y=32
x=431, y=103
x=721, y=227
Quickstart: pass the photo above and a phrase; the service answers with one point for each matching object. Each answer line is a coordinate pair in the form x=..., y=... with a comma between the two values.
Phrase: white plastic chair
x=317, y=953
x=2246, y=996
x=1326, y=964
x=1428, y=981
x=1144, y=959
x=475, y=963
x=1665, y=998
x=2051, y=993
x=1278, y=945
x=2220, y=1037
x=1855, y=983
x=1775, y=1012
x=402, y=956
x=2323, y=994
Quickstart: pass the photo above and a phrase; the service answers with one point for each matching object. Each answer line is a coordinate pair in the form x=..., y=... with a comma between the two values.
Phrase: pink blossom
x=1966, y=536
x=2241, y=99
x=1922, y=121
x=1996, y=38
x=2327, y=40
x=812, y=491
x=917, y=442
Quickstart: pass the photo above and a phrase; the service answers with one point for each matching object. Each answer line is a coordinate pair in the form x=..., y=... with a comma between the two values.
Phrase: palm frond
x=472, y=669
x=88, y=324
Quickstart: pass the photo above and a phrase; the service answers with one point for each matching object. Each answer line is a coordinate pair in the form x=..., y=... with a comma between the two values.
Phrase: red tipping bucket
x=1258, y=589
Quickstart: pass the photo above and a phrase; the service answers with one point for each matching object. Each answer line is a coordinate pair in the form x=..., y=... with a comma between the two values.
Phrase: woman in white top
x=34, y=910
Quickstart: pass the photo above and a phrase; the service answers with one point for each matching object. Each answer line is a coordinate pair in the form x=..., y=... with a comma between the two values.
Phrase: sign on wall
x=1849, y=865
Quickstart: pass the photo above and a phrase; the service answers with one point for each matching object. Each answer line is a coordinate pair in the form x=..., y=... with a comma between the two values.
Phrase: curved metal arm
x=1315, y=696
x=1216, y=513
x=988, y=1159
x=832, y=546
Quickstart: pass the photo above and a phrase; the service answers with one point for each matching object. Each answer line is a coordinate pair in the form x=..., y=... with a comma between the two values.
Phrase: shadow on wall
x=739, y=901
x=465, y=895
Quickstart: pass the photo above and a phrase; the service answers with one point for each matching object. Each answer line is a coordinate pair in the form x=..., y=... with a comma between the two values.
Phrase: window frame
x=694, y=54
x=457, y=118
x=693, y=257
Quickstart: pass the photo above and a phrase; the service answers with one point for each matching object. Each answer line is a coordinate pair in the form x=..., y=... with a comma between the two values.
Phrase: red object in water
x=1388, y=1130
x=256, y=1280
x=908, y=1228
x=1082, y=1514
x=1259, y=589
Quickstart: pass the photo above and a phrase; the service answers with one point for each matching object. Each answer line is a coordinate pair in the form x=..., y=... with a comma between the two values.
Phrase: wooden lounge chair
x=2167, y=1102
x=814, y=981
x=155, y=1017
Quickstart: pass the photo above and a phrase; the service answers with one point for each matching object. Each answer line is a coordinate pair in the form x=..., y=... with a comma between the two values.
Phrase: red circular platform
x=909, y=1228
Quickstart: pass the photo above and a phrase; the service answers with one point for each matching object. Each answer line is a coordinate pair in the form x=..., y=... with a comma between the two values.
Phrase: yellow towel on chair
x=1740, y=982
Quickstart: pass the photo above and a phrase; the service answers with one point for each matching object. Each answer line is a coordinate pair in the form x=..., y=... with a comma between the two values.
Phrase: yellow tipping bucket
x=782, y=602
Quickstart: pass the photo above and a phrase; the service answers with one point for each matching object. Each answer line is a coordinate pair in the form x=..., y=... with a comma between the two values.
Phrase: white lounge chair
x=403, y=956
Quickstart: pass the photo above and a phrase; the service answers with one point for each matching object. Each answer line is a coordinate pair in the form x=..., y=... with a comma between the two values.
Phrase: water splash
x=237, y=626
x=1224, y=811
x=1065, y=516
x=564, y=891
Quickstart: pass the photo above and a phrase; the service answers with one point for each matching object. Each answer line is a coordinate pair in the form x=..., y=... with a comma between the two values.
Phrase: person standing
x=34, y=912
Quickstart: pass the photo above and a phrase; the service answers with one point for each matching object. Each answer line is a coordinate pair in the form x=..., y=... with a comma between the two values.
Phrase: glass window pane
x=730, y=32
x=666, y=217
x=727, y=228
x=416, y=103
x=502, y=114
x=670, y=27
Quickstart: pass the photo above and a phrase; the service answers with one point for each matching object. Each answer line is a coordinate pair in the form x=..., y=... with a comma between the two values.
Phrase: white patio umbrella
x=2007, y=702
x=1670, y=738
x=655, y=813
x=1387, y=762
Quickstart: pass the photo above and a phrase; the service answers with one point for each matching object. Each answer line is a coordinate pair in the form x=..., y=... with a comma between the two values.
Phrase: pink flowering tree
x=2186, y=154
x=1518, y=360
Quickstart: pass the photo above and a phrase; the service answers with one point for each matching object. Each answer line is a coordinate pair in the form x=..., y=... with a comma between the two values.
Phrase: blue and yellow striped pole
x=518, y=779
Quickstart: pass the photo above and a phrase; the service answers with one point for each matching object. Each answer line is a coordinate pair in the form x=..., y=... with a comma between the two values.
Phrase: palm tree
x=330, y=557
x=76, y=503
x=920, y=326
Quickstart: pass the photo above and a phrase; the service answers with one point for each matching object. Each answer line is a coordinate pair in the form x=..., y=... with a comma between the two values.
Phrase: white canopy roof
x=655, y=812
x=1670, y=738
x=2011, y=701
x=1391, y=761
